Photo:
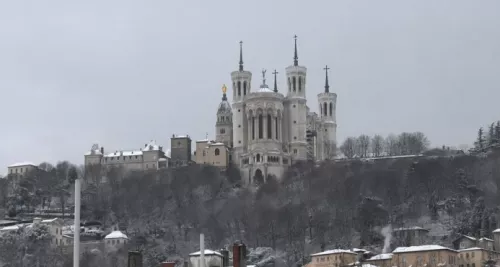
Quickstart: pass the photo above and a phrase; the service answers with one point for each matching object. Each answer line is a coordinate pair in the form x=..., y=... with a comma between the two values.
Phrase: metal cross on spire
x=327, y=86
x=295, y=57
x=241, y=55
x=275, y=81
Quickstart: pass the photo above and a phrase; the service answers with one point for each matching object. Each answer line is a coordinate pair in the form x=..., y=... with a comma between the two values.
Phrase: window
x=331, y=109
x=295, y=137
x=289, y=85
x=239, y=141
x=239, y=110
x=245, y=88
x=253, y=128
x=295, y=151
x=222, y=131
x=472, y=254
x=325, y=111
x=294, y=79
x=276, y=121
x=269, y=127
x=146, y=166
x=294, y=122
x=217, y=152
x=203, y=152
x=258, y=158
x=239, y=126
x=135, y=157
x=261, y=127
x=300, y=83
x=239, y=88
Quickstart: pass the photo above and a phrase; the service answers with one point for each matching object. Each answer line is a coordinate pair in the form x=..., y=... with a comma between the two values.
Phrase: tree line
x=365, y=146
x=488, y=139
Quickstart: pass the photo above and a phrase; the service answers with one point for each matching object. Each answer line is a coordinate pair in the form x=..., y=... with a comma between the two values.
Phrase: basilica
x=266, y=130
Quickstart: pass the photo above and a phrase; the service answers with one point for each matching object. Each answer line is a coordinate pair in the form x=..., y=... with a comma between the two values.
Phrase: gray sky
x=120, y=73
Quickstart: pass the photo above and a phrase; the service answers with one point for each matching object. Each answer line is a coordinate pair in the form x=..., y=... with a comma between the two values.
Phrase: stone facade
x=212, y=153
x=272, y=129
x=180, y=150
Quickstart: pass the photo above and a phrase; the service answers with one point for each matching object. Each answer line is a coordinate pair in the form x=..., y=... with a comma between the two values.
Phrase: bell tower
x=224, y=124
x=296, y=110
x=327, y=108
x=241, y=85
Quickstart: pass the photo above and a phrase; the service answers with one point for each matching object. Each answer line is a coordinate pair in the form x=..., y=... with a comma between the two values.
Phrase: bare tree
x=363, y=145
x=391, y=145
x=377, y=145
x=348, y=147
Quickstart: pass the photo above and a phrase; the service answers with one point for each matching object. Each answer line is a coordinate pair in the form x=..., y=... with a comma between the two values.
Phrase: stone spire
x=241, y=55
x=275, y=81
x=295, y=57
x=327, y=86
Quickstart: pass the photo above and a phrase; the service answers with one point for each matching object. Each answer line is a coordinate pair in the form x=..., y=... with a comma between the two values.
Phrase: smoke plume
x=387, y=233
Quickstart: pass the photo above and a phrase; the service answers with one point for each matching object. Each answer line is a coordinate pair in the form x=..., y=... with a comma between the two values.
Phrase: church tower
x=241, y=87
x=296, y=109
x=327, y=107
x=224, y=124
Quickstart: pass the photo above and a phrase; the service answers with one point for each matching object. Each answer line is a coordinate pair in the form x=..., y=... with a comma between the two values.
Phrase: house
x=212, y=153
x=476, y=257
x=115, y=240
x=55, y=227
x=21, y=169
x=465, y=241
x=381, y=260
x=425, y=255
x=410, y=236
x=334, y=257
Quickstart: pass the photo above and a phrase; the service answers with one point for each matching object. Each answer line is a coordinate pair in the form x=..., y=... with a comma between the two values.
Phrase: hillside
x=342, y=204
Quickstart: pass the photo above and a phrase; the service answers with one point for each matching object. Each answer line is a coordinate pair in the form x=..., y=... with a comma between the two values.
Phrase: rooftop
x=116, y=234
x=333, y=251
x=207, y=252
x=420, y=248
x=20, y=164
x=383, y=256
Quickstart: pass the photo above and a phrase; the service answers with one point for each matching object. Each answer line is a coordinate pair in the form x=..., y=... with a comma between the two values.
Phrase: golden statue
x=224, y=89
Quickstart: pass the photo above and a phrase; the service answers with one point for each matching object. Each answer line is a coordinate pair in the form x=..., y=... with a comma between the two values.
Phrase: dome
x=224, y=107
x=265, y=89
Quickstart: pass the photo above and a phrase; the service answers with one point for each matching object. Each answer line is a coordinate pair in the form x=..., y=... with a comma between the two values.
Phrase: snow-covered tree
x=348, y=148
x=377, y=145
x=363, y=145
x=480, y=141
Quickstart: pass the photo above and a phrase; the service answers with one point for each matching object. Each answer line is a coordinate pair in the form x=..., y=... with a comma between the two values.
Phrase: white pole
x=202, y=250
x=76, y=232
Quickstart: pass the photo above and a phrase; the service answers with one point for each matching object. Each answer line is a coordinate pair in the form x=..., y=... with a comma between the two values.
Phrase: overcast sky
x=120, y=73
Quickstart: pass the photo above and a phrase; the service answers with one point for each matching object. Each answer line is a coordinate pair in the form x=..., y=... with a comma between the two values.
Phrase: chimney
x=202, y=250
x=236, y=255
x=167, y=264
x=102, y=150
x=225, y=257
x=243, y=255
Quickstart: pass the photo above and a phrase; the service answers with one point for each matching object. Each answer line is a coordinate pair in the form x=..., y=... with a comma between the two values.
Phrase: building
x=212, y=153
x=465, y=242
x=150, y=157
x=21, y=169
x=410, y=236
x=268, y=129
x=212, y=259
x=115, y=240
x=425, y=255
x=381, y=260
x=335, y=257
x=180, y=150
x=476, y=257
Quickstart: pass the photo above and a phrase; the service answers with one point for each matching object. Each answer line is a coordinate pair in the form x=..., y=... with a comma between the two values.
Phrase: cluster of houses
x=92, y=234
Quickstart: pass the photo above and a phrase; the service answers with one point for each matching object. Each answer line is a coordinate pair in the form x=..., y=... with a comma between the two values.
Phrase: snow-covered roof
x=497, y=230
x=468, y=237
x=470, y=249
x=20, y=164
x=116, y=234
x=207, y=252
x=333, y=251
x=49, y=220
x=486, y=239
x=265, y=90
x=368, y=265
x=413, y=228
x=357, y=250
x=383, y=256
x=162, y=159
x=10, y=228
x=151, y=146
x=420, y=248
x=202, y=141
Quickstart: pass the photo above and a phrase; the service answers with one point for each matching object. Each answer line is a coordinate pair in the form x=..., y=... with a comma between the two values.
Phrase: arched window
x=269, y=127
x=217, y=152
x=245, y=88
x=257, y=158
x=276, y=122
x=294, y=79
x=331, y=109
x=222, y=130
x=253, y=128
x=261, y=127
x=325, y=109
x=300, y=83
x=239, y=88
x=289, y=85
